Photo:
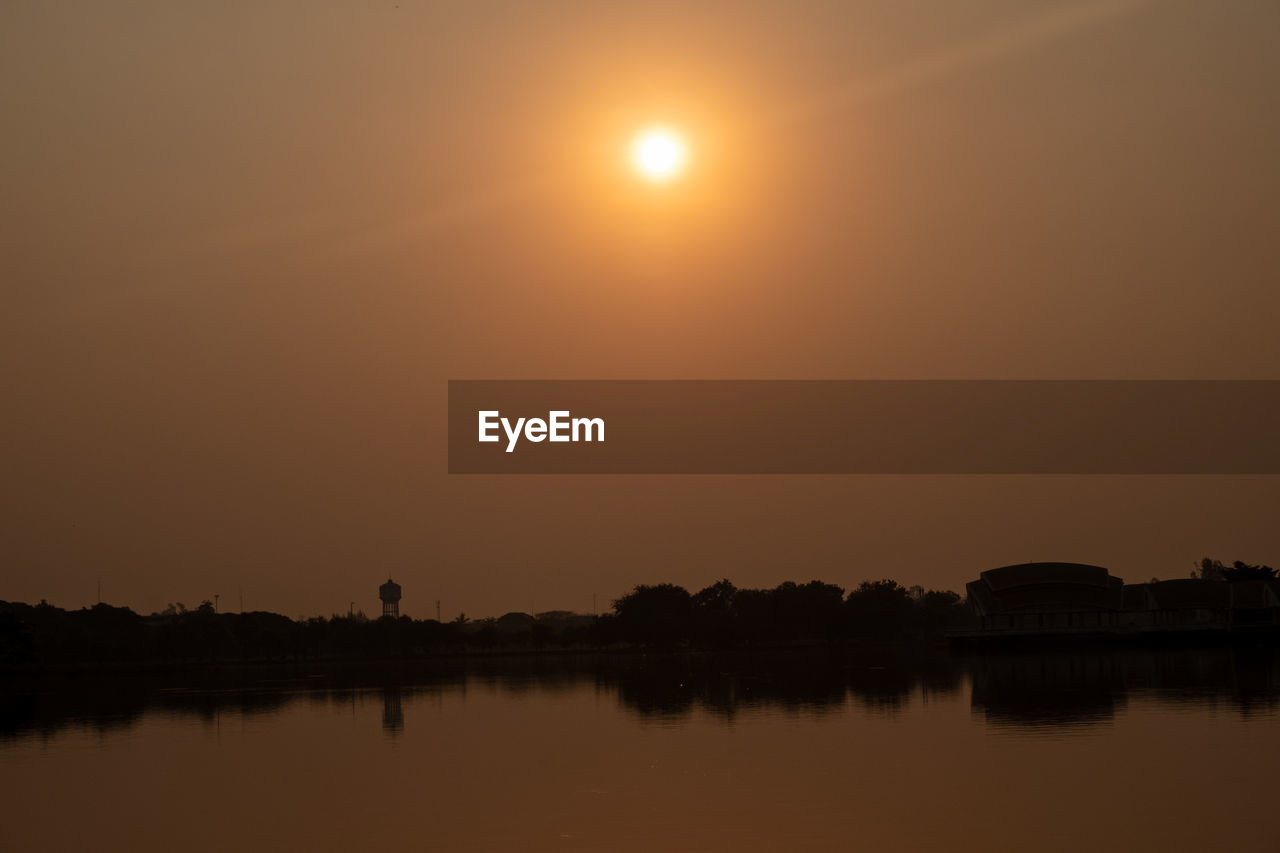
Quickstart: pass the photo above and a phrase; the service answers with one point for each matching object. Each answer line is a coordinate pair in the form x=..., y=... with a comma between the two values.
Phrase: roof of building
x=1190, y=593
x=1025, y=574
x=1046, y=588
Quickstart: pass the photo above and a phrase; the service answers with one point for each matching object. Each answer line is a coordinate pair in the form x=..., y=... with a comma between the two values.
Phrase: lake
x=1108, y=750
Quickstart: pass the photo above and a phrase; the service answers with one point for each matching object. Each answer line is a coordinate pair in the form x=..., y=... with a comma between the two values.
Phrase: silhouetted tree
x=810, y=611
x=1214, y=570
x=660, y=614
x=1241, y=571
x=942, y=609
x=714, y=615
x=717, y=598
x=880, y=609
x=1209, y=570
x=719, y=616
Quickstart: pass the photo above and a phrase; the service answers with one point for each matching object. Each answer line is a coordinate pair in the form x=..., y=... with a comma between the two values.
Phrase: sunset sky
x=245, y=245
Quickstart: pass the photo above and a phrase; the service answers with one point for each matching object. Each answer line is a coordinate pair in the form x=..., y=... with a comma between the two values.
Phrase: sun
x=659, y=154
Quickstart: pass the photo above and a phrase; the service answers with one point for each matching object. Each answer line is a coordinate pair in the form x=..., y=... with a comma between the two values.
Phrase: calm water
x=1132, y=751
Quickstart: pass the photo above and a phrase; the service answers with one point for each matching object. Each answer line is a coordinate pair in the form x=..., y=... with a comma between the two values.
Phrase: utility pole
x=437, y=610
x=215, y=602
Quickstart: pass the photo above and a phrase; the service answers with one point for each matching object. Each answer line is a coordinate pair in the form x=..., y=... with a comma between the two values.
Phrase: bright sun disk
x=659, y=154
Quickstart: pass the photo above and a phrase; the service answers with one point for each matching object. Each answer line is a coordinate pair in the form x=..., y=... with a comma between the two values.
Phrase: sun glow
x=659, y=154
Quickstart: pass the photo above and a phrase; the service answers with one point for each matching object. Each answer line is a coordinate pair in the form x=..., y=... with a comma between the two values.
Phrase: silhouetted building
x=1254, y=602
x=389, y=592
x=1035, y=597
x=1073, y=598
x=1182, y=603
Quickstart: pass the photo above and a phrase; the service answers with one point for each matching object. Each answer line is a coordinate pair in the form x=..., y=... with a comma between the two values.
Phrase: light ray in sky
x=1014, y=37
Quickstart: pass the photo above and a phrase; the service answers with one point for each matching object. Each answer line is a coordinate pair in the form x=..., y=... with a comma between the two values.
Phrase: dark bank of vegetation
x=1214, y=570
x=663, y=616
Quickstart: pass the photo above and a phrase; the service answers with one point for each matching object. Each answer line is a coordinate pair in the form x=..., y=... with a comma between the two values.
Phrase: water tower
x=389, y=592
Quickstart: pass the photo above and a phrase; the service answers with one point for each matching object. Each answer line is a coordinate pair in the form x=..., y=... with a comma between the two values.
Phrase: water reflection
x=1078, y=689
x=392, y=712
x=1058, y=690
x=727, y=687
x=1006, y=690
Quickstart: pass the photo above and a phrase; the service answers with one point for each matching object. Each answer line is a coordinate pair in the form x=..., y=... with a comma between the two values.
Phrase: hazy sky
x=244, y=246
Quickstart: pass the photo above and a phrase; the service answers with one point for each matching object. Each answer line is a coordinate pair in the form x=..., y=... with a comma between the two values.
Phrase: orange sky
x=244, y=247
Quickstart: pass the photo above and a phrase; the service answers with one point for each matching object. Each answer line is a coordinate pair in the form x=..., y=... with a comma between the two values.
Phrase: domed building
x=1036, y=597
x=1075, y=598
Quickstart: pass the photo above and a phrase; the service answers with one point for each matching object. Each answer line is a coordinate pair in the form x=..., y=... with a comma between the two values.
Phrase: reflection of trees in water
x=675, y=688
x=799, y=687
x=49, y=704
x=1035, y=690
x=104, y=705
x=649, y=685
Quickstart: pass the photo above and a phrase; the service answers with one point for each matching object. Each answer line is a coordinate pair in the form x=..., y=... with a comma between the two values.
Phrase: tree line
x=723, y=615
x=720, y=616
x=1214, y=570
